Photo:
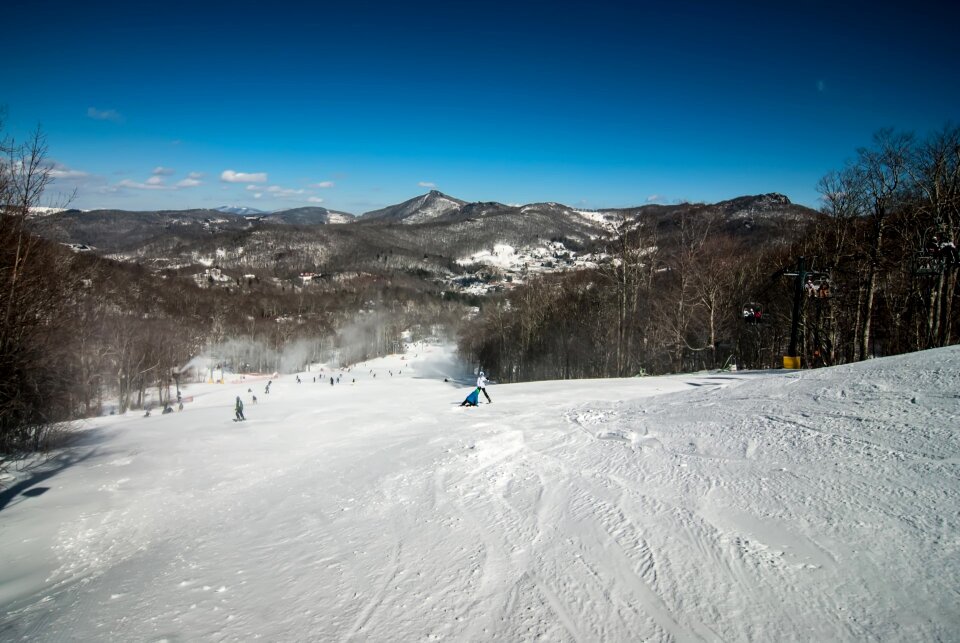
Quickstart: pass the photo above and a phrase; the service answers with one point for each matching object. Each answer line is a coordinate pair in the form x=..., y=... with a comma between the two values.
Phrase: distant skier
x=331, y=381
x=238, y=409
x=473, y=399
x=482, y=386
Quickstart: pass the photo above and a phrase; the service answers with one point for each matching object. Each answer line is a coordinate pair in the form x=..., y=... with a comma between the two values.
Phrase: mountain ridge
x=432, y=236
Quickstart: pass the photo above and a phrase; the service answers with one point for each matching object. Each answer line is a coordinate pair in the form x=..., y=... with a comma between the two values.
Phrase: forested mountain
x=433, y=234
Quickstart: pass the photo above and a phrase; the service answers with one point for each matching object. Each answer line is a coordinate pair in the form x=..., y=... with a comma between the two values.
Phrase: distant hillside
x=122, y=230
x=307, y=216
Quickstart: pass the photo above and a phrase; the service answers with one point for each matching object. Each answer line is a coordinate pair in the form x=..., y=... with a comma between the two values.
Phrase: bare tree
x=934, y=169
x=882, y=171
x=633, y=252
x=34, y=387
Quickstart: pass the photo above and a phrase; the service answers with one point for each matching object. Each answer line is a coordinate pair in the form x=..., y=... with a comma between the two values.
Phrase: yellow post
x=791, y=362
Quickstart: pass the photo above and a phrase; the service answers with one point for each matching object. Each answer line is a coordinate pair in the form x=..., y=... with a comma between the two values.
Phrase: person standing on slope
x=482, y=385
x=238, y=409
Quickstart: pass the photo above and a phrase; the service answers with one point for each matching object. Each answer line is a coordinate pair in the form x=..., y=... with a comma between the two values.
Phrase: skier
x=331, y=381
x=238, y=409
x=473, y=399
x=482, y=386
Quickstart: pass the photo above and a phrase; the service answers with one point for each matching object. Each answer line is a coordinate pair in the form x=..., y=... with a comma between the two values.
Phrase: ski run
x=818, y=505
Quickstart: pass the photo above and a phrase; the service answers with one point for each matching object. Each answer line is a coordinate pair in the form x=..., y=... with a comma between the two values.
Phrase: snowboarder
x=482, y=386
x=238, y=409
x=473, y=399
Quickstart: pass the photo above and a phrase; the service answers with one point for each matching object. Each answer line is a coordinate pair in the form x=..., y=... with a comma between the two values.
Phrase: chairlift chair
x=821, y=283
x=936, y=254
x=752, y=313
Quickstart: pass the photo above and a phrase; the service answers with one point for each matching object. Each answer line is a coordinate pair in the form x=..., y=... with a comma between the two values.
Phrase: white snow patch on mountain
x=39, y=210
x=502, y=256
x=817, y=505
x=336, y=217
x=595, y=217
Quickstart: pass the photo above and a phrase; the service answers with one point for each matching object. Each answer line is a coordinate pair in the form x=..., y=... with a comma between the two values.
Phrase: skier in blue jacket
x=473, y=399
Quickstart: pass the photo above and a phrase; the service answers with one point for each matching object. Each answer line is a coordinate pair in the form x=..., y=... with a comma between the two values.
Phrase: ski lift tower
x=792, y=359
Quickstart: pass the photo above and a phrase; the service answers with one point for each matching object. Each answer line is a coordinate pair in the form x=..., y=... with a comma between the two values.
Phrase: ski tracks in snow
x=710, y=513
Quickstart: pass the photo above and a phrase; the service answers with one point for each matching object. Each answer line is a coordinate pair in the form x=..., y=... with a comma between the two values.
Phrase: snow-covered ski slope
x=814, y=506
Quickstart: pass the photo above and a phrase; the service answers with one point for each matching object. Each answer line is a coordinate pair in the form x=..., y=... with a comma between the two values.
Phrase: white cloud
x=315, y=199
x=189, y=183
x=151, y=184
x=229, y=176
x=63, y=173
x=195, y=175
x=653, y=197
x=323, y=184
x=276, y=190
x=427, y=184
x=257, y=195
x=104, y=114
x=162, y=171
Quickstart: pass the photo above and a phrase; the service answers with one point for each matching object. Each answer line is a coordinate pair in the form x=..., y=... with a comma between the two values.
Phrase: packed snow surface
x=754, y=506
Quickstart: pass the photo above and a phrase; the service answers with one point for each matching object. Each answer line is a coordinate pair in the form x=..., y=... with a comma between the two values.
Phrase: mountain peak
x=419, y=209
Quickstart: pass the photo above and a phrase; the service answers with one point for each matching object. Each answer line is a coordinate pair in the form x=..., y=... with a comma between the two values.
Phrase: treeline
x=879, y=257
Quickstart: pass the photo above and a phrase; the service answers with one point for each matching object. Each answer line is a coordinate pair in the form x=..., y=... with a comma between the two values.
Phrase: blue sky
x=177, y=105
